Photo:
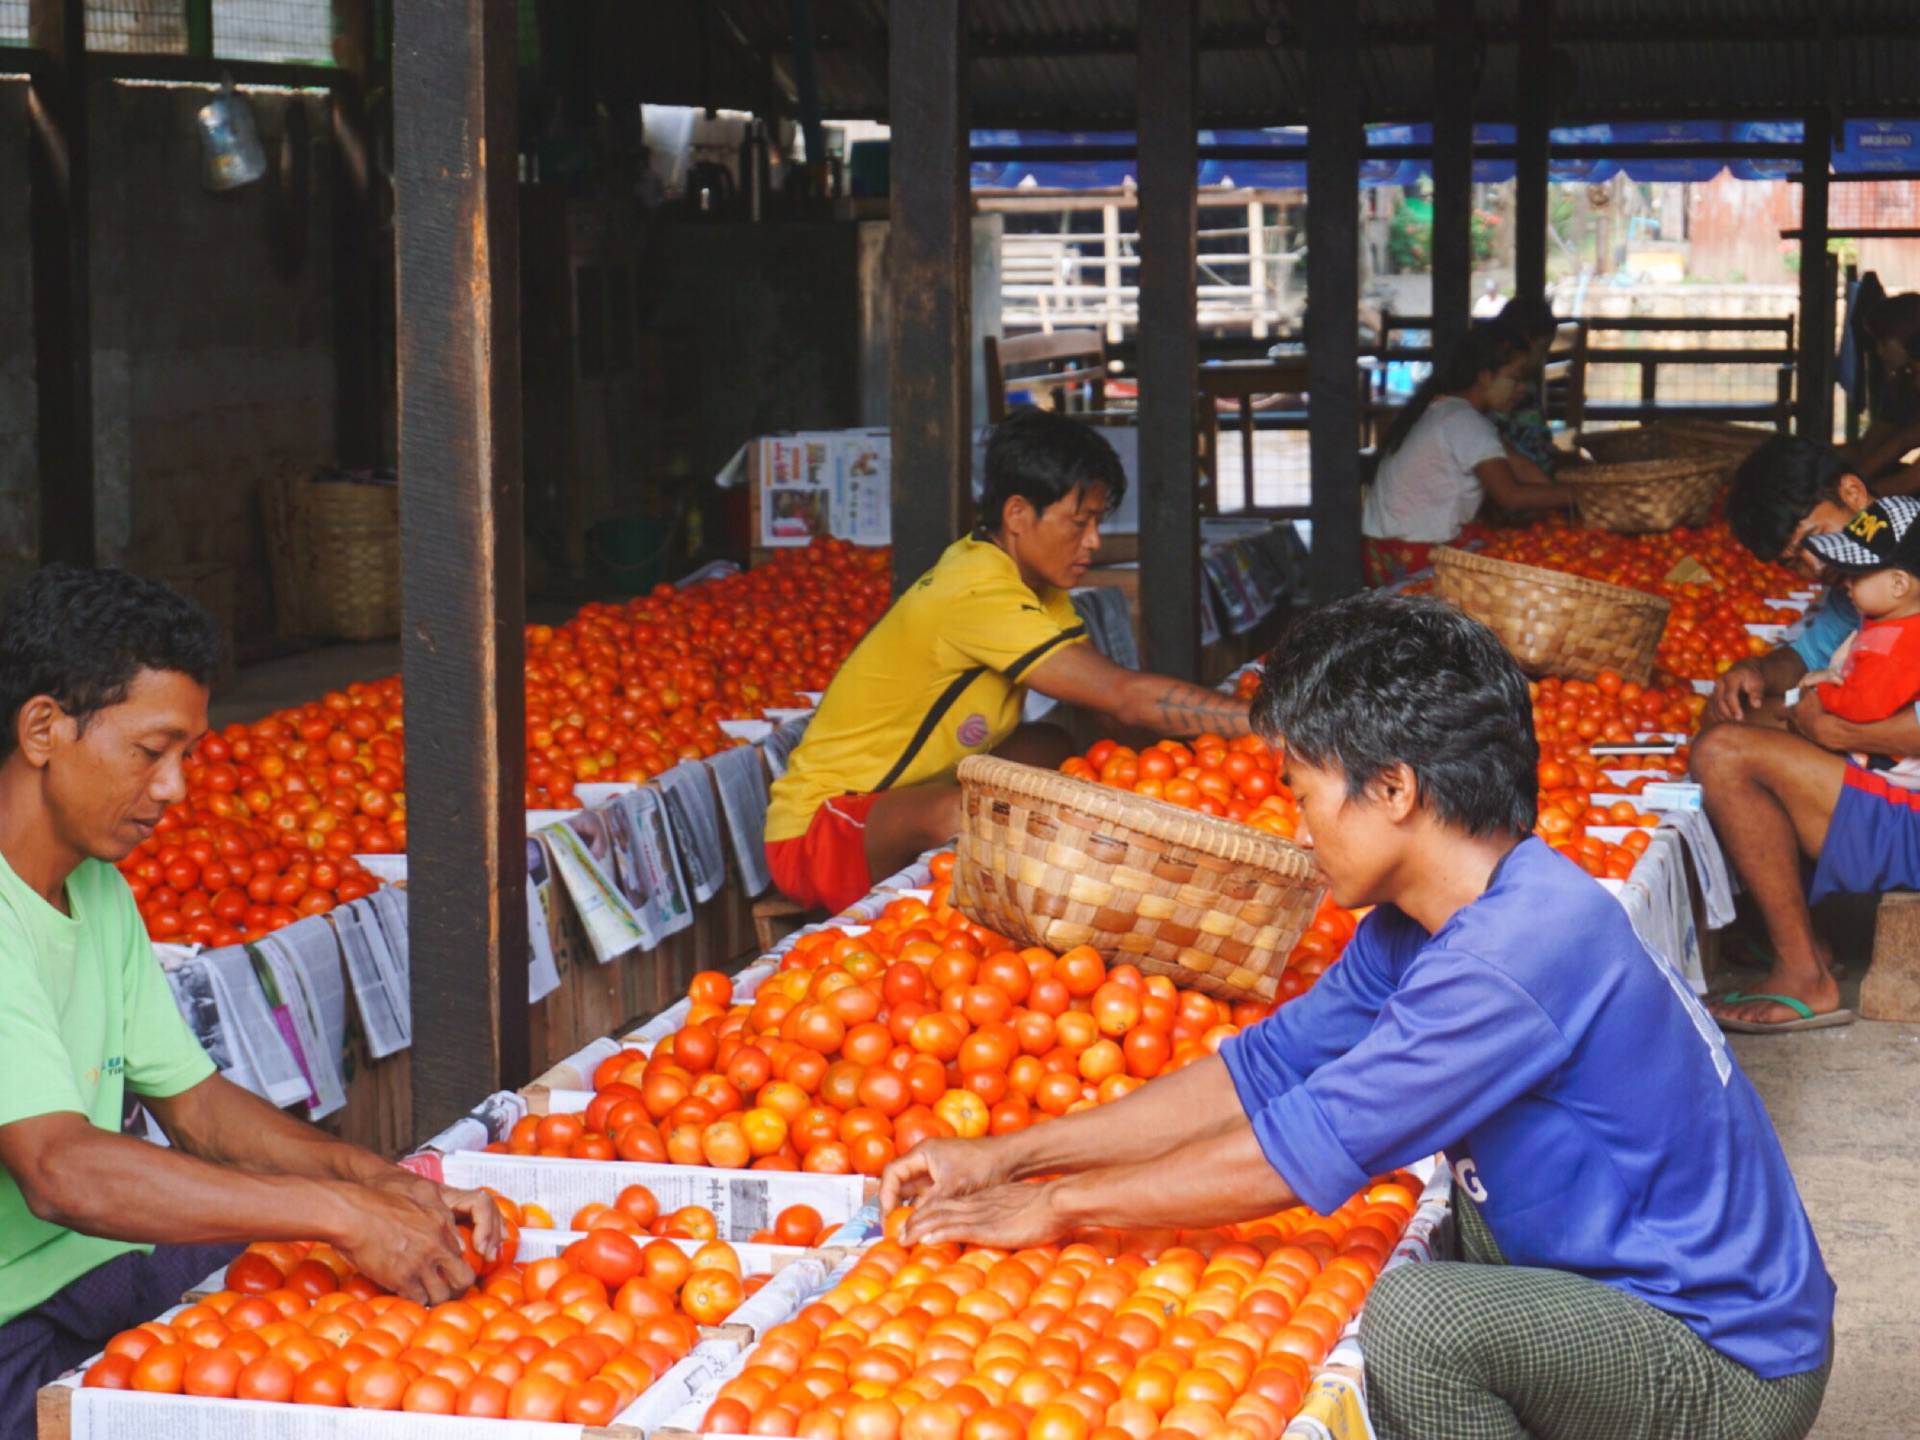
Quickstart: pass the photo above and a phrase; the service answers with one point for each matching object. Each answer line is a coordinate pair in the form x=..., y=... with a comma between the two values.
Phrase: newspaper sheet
x=782, y=742
x=543, y=971
x=693, y=813
x=305, y=981
x=255, y=1041
x=128, y=1415
x=742, y=1201
x=741, y=777
x=582, y=848
x=380, y=983
x=650, y=863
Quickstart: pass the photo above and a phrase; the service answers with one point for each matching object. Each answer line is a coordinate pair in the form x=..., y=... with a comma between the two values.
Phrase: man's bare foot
x=1819, y=992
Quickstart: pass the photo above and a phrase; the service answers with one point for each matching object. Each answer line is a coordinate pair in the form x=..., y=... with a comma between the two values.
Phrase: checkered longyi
x=1478, y=1349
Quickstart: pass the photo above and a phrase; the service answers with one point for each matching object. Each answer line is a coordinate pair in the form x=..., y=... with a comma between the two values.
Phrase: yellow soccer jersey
x=936, y=680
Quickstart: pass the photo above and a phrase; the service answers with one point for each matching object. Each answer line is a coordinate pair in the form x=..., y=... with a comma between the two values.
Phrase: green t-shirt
x=85, y=1015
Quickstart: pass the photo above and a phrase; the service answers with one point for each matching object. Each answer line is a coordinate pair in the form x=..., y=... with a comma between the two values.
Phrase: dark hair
x=1043, y=457
x=1532, y=316
x=81, y=636
x=1486, y=346
x=1376, y=679
x=1896, y=317
x=1777, y=487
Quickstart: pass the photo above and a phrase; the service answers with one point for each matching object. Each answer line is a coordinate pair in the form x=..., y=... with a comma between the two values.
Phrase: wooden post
x=1331, y=38
x=463, y=592
x=57, y=167
x=1531, y=193
x=932, y=277
x=1453, y=64
x=1110, y=280
x=1816, y=282
x=359, y=364
x=1169, y=355
x=1257, y=266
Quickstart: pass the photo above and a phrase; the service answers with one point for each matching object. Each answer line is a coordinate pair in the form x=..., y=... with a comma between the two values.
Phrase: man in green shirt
x=103, y=693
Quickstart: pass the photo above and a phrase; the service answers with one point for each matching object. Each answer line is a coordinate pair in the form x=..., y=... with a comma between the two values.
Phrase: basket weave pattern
x=1050, y=860
x=1555, y=623
x=1639, y=497
x=335, y=548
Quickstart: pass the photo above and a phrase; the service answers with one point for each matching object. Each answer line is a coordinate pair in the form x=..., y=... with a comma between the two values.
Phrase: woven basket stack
x=1642, y=496
x=335, y=548
x=1555, y=623
x=1050, y=860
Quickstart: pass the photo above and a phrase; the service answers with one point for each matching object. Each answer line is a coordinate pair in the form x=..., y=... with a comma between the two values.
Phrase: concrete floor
x=1846, y=1103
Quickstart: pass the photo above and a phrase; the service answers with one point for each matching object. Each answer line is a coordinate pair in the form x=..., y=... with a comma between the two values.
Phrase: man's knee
x=1396, y=1326
x=1722, y=755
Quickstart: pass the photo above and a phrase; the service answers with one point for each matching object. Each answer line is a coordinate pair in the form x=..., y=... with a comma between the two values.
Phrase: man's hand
x=408, y=1244
x=1738, y=691
x=1009, y=1217
x=1813, y=721
x=942, y=1169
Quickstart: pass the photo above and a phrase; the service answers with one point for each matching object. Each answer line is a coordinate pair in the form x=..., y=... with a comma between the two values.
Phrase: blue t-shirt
x=1587, y=1101
x=1819, y=633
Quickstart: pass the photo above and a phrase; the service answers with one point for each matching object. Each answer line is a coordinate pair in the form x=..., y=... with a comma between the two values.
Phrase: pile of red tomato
x=1116, y=1336
x=573, y=1338
x=1237, y=779
x=275, y=811
x=927, y=1024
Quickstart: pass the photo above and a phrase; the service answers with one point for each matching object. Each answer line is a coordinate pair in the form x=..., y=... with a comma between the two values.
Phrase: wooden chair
x=1563, y=378
x=1059, y=369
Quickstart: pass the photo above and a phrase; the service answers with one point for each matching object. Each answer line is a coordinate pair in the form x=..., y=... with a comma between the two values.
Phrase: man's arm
x=1218, y=1179
x=1154, y=1120
x=1899, y=734
x=74, y=1174
x=1747, y=683
x=1081, y=675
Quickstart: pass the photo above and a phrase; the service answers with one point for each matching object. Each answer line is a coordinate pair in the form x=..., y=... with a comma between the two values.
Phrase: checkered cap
x=1884, y=535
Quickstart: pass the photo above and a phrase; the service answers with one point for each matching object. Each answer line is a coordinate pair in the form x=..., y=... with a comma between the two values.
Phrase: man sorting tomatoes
x=945, y=672
x=103, y=693
x=1635, y=1258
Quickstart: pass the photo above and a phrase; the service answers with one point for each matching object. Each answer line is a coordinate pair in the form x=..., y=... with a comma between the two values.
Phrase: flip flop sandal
x=1807, y=1019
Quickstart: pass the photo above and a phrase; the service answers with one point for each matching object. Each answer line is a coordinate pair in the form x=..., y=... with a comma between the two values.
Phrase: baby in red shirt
x=1875, y=673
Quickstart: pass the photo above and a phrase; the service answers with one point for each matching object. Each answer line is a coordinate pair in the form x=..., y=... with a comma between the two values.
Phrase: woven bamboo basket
x=335, y=548
x=1640, y=497
x=1642, y=442
x=1050, y=860
x=1735, y=441
x=1554, y=623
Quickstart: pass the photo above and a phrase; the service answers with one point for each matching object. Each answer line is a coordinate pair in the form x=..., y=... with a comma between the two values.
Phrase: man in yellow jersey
x=945, y=672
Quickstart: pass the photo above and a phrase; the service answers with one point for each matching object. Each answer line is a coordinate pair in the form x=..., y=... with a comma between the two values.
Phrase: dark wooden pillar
x=62, y=307
x=1169, y=487
x=463, y=639
x=1816, y=282
x=359, y=368
x=1331, y=34
x=1453, y=80
x=1533, y=128
x=930, y=260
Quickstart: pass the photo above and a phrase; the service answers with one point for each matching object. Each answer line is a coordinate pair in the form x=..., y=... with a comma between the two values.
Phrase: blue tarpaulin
x=1866, y=147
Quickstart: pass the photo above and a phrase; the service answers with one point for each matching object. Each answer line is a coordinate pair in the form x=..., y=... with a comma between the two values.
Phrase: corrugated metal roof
x=1070, y=63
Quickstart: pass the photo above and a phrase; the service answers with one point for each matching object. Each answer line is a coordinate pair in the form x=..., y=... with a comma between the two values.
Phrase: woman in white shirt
x=1442, y=456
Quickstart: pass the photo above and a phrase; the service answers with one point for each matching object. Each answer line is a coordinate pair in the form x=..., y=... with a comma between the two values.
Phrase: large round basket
x=1732, y=441
x=1050, y=860
x=1639, y=497
x=1555, y=623
x=1643, y=442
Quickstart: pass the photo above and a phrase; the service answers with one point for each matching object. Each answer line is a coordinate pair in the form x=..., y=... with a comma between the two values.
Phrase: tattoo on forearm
x=1193, y=709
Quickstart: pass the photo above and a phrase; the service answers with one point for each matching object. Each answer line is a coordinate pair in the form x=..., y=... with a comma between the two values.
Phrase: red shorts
x=826, y=868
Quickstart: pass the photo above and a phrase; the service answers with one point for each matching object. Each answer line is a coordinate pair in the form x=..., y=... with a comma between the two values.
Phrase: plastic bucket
x=629, y=553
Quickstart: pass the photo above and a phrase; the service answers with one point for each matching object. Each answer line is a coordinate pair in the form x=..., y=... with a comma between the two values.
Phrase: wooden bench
x=1891, y=987
x=1057, y=369
x=775, y=917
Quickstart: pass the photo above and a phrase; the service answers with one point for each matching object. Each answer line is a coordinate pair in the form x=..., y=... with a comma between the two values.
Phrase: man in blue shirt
x=1779, y=785
x=1639, y=1260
